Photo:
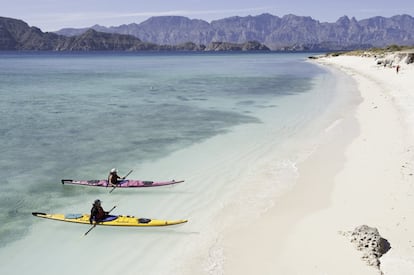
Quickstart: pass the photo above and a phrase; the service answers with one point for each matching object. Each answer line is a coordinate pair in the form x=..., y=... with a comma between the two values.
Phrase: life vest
x=113, y=178
x=97, y=213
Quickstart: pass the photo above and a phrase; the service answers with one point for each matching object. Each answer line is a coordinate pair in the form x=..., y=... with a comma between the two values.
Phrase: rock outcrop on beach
x=289, y=33
x=400, y=57
x=392, y=59
x=368, y=240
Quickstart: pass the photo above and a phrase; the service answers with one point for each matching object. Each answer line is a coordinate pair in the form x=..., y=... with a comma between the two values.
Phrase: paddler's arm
x=92, y=216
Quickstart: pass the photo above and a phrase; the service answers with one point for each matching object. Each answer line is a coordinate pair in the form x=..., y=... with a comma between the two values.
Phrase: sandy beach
x=277, y=197
x=362, y=175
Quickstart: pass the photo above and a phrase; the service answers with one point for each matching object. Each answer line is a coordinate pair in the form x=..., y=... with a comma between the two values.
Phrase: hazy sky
x=51, y=15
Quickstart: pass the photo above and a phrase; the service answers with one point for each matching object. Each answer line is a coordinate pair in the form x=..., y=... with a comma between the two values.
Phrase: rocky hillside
x=289, y=32
x=18, y=35
x=92, y=40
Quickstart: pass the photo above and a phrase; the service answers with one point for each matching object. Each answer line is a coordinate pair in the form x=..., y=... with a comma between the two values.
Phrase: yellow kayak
x=111, y=220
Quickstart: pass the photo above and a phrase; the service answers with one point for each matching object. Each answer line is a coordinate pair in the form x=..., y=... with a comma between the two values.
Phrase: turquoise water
x=78, y=115
x=61, y=113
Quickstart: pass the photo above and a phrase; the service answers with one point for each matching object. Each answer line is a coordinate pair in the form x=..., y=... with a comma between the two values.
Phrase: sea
x=233, y=126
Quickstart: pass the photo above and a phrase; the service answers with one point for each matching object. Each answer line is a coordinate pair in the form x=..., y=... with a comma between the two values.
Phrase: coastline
x=277, y=206
x=362, y=175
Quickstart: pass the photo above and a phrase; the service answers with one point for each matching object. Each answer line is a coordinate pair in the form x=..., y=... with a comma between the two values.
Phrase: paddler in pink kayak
x=113, y=177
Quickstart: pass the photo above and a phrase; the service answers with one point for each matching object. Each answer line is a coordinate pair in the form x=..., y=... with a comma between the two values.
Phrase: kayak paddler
x=113, y=177
x=97, y=212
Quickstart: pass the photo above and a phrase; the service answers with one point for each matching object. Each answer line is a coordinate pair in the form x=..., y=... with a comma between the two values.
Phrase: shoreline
x=362, y=178
x=276, y=204
x=266, y=182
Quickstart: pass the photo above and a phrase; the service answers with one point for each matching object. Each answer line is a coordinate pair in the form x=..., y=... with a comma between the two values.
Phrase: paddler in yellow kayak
x=97, y=212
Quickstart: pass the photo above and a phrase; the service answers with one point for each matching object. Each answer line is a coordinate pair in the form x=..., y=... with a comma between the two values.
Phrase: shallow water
x=205, y=118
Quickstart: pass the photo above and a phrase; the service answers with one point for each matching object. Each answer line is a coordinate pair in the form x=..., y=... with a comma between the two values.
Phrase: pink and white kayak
x=122, y=184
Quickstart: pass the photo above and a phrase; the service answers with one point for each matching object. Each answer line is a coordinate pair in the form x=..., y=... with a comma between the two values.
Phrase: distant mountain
x=18, y=35
x=289, y=32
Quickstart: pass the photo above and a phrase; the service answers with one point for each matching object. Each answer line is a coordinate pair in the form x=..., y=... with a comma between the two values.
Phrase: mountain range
x=261, y=32
x=18, y=35
x=277, y=33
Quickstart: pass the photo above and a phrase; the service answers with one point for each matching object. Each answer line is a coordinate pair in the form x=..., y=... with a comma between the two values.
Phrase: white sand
x=362, y=175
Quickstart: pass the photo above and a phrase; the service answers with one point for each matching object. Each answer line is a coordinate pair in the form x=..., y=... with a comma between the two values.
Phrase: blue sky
x=51, y=15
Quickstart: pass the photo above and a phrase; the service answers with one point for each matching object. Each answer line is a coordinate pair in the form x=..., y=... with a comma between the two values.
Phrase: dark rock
x=373, y=246
x=410, y=58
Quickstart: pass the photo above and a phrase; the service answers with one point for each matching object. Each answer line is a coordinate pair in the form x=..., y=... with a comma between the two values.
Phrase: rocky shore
x=388, y=56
